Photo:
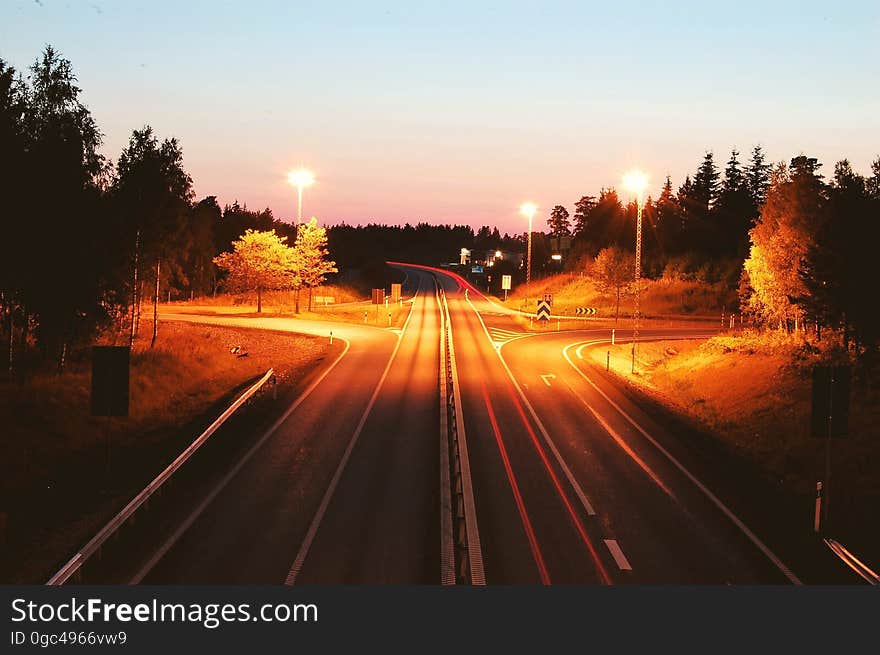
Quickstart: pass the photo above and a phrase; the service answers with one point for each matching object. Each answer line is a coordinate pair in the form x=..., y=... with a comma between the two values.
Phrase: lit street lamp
x=528, y=210
x=636, y=181
x=300, y=179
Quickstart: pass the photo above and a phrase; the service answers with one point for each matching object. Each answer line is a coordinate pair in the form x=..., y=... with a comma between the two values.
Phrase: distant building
x=490, y=257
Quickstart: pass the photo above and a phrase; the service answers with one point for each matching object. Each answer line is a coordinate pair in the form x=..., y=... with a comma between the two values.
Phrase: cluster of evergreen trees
x=84, y=239
x=356, y=247
x=799, y=249
x=706, y=220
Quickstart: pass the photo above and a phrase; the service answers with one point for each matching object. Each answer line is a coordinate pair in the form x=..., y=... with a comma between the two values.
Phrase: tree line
x=811, y=261
x=85, y=239
x=702, y=224
x=796, y=248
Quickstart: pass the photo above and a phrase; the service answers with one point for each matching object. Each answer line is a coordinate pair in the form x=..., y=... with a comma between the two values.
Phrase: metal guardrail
x=468, y=557
x=853, y=562
x=74, y=565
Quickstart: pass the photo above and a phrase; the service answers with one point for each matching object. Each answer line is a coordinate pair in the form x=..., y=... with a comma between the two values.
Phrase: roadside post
x=829, y=420
x=612, y=336
x=331, y=337
x=378, y=299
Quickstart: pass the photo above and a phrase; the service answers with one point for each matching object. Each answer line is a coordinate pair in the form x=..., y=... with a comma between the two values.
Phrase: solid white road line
x=617, y=554
x=579, y=492
x=622, y=443
x=328, y=494
x=711, y=496
x=183, y=527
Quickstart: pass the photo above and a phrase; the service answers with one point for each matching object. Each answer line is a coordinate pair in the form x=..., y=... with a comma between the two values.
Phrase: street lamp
x=528, y=210
x=636, y=182
x=300, y=179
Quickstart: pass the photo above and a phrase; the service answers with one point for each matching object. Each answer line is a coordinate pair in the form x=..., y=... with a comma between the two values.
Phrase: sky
x=457, y=112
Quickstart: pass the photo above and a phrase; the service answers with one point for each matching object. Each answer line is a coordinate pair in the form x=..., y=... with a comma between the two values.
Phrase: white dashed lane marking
x=617, y=554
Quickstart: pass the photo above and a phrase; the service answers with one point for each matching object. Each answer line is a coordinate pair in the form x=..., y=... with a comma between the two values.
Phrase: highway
x=254, y=528
x=571, y=481
x=568, y=490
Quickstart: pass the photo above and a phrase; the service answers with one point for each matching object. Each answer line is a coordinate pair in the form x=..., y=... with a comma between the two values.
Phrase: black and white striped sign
x=543, y=310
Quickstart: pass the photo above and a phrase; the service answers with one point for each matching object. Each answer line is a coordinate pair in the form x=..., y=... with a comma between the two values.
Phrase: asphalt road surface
x=572, y=481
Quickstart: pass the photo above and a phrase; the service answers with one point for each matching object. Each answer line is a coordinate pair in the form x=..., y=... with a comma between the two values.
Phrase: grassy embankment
x=663, y=301
x=753, y=392
x=349, y=306
x=56, y=489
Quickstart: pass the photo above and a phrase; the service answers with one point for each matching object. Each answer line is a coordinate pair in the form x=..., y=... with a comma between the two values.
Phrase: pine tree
x=558, y=222
x=706, y=185
x=734, y=211
x=841, y=259
x=758, y=177
x=668, y=219
x=582, y=210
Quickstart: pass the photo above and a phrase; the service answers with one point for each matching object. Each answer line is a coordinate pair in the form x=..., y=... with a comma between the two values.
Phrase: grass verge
x=64, y=472
x=753, y=393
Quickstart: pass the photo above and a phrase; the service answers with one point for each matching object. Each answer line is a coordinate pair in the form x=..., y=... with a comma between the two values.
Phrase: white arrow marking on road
x=547, y=378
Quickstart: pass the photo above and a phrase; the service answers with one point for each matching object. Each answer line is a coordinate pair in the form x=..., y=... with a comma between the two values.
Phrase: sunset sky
x=458, y=112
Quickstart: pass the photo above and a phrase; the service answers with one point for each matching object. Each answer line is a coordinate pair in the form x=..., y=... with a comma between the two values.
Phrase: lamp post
x=635, y=182
x=528, y=210
x=300, y=179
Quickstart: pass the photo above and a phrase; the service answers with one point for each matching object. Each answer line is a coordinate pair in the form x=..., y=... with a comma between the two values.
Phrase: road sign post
x=395, y=292
x=110, y=380
x=110, y=389
x=829, y=420
x=505, y=285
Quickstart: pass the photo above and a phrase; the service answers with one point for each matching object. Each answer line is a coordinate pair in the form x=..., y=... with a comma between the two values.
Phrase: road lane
x=567, y=489
x=671, y=532
x=533, y=528
x=246, y=534
x=382, y=522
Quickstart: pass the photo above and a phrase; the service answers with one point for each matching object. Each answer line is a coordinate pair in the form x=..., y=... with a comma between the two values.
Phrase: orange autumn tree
x=313, y=264
x=782, y=235
x=259, y=261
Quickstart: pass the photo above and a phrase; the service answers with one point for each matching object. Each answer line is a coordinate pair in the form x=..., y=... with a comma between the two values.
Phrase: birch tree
x=259, y=261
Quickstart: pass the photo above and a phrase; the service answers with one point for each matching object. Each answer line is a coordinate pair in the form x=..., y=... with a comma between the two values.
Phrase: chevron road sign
x=543, y=310
x=580, y=311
